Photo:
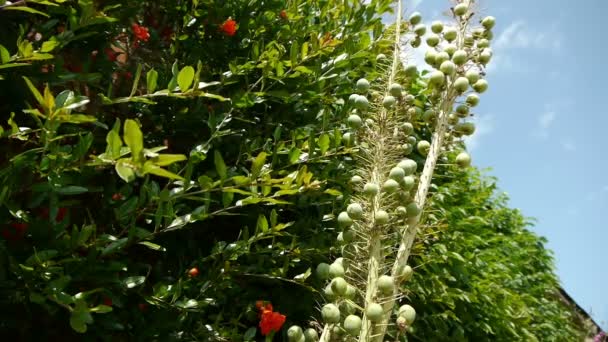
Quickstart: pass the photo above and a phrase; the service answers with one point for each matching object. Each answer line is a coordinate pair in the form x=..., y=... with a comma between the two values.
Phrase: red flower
x=111, y=54
x=117, y=196
x=141, y=32
x=193, y=272
x=15, y=232
x=283, y=15
x=107, y=301
x=229, y=27
x=271, y=321
x=61, y=212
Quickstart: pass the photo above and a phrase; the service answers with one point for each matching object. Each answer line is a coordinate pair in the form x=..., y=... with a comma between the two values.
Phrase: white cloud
x=544, y=122
x=484, y=125
x=411, y=5
x=519, y=36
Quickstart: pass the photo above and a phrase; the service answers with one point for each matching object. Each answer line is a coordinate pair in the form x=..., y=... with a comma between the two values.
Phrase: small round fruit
x=442, y=57
x=412, y=209
x=348, y=236
x=361, y=103
x=437, y=78
x=466, y=128
x=478, y=33
x=461, y=9
x=337, y=332
x=423, y=147
x=401, y=322
x=432, y=40
x=348, y=139
x=461, y=84
x=406, y=149
x=193, y=272
x=450, y=49
x=485, y=56
x=469, y=40
x=452, y=119
x=411, y=70
x=407, y=128
x=351, y=292
x=323, y=271
x=352, y=98
x=437, y=26
x=406, y=273
x=407, y=312
x=352, y=325
x=380, y=57
x=472, y=75
x=330, y=296
x=356, y=179
x=450, y=34
x=463, y=159
x=389, y=101
x=488, y=22
x=483, y=43
x=420, y=30
x=408, y=183
x=415, y=18
x=396, y=173
x=311, y=335
x=371, y=189
x=395, y=89
x=330, y=313
x=390, y=186
x=401, y=211
x=460, y=57
x=362, y=85
x=430, y=56
x=339, y=286
x=381, y=217
x=409, y=166
x=488, y=34
x=294, y=333
x=355, y=121
x=374, y=312
x=386, y=285
x=448, y=68
x=480, y=86
x=411, y=140
x=354, y=211
x=462, y=110
x=336, y=270
x=344, y=220
x=473, y=99
x=416, y=42
x=429, y=116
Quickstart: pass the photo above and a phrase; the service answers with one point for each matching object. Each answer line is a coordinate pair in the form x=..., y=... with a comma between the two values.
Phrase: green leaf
x=114, y=143
x=5, y=56
x=101, y=309
x=168, y=159
x=72, y=190
x=250, y=334
x=185, y=78
x=293, y=53
x=262, y=224
x=80, y=317
x=26, y=9
x=324, y=142
x=152, y=246
x=220, y=166
x=131, y=282
x=41, y=257
x=49, y=46
x=294, y=154
x=150, y=168
x=114, y=246
x=34, y=91
x=258, y=163
x=125, y=171
x=151, y=80
x=134, y=139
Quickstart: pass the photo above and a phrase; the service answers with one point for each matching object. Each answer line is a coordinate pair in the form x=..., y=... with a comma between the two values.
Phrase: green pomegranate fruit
x=429, y=57
x=437, y=78
x=401, y=211
x=336, y=270
x=408, y=183
x=356, y=179
x=294, y=333
x=437, y=27
x=397, y=173
x=311, y=335
x=462, y=110
x=347, y=308
x=473, y=99
x=323, y=271
x=352, y=98
x=423, y=147
x=466, y=128
x=374, y=312
x=362, y=85
x=485, y=56
x=416, y=42
x=432, y=40
x=461, y=84
x=411, y=140
x=429, y=116
x=355, y=121
x=339, y=286
x=450, y=34
x=389, y=102
x=452, y=119
x=411, y=70
x=395, y=89
x=450, y=49
x=354, y=211
x=344, y=220
x=371, y=189
x=472, y=75
x=351, y=292
x=463, y=159
x=415, y=18
x=461, y=9
x=390, y=186
x=488, y=22
x=441, y=57
x=480, y=86
x=407, y=128
x=386, y=285
x=448, y=68
x=380, y=57
x=348, y=139
x=361, y=103
x=406, y=273
x=412, y=209
x=483, y=43
x=352, y=325
x=329, y=293
x=409, y=166
x=330, y=313
x=460, y=57
x=348, y=236
x=381, y=217
x=407, y=312
x=420, y=30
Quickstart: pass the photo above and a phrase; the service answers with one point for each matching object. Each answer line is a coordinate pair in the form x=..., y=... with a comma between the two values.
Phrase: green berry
x=480, y=86
x=407, y=128
x=411, y=70
x=463, y=160
x=381, y=217
x=397, y=173
x=473, y=99
x=329, y=293
x=380, y=57
x=348, y=236
x=450, y=34
x=336, y=270
x=386, y=285
x=406, y=273
x=407, y=312
x=441, y=57
x=420, y=30
x=483, y=43
x=466, y=128
x=488, y=22
x=311, y=335
x=374, y=312
x=409, y=166
x=390, y=186
x=361, y=103
x=408, y=183
x=352, y=325
x=389, y=102
x=330, y=313
x=432, y=40
x=352, y=98
x=362, y=85
x=462, y=110
x=461, y=84
x=460, y=57
x=415, y=18
x=472, y=75
x=344, y=220
x=339, y=286
x=437, y=26
x=323, y=271
x=348, y=139
x=485, y=56
x=355, y=211
x=294, y=333
x=412, y=209
x=429, y=57
x=395, y=89
x=429, y=116
x=448, y=68
x=351, y=292
x=371, y=189
x=416, y=42
x=356, y=179
x=355, y=121
x=461, y=9
x=437, y=78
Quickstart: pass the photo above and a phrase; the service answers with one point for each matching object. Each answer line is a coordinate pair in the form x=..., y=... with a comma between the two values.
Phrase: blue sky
x=542, y=125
